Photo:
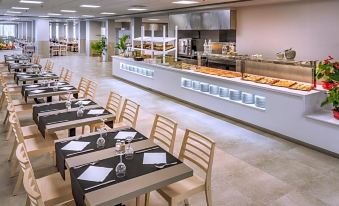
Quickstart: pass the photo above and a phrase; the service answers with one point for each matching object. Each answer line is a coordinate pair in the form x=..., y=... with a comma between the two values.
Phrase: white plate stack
x=204, y=87
x=214, y=90
x=247, y=98
x=196, y=85
x=223, y=92
x=260, y=101
x=235, y=95
x=149, y=73
x=187, y=83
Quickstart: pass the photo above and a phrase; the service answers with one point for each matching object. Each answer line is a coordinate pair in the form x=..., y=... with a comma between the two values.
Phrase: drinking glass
x=80, y=111
x=55, y=85
x=101, y=140
x=120, y=169
x=129, y=150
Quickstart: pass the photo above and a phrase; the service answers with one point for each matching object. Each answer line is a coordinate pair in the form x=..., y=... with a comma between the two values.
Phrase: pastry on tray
x=267, y=80
x=302, y=87
x=284, y=83
x=251, y=77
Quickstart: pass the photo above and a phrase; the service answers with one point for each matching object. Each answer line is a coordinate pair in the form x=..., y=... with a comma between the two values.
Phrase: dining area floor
x=250, y=167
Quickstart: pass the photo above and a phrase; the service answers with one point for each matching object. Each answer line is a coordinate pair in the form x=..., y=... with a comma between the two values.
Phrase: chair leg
x=208, y=197
x=18, y=183
x=137, y=201
x=28, y=201
x=186, y=201
x=10, y=157
x=9, y=133
x=147, y=197
x=83, y=130
x=14, y=167
x=6, y=117
x=2, y=100
x=172, y=203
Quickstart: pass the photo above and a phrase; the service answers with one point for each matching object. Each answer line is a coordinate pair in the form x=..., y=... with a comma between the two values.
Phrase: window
x=57, y=31
x=74, y=31
x=66, y=31
x=50, y=31
x=7, y=30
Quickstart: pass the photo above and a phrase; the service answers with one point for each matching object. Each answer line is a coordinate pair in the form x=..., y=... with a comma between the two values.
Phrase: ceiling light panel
x=68, y=11
x=53, y=14
x=89, y=6
x=185, y=2
x=14, y=12
x=31, y=2
x=107, y=13
x=20, y=8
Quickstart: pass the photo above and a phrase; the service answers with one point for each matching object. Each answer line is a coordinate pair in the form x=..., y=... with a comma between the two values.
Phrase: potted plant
x=98, y=47
x=122, y=44
x=333, y=98
x=328, y=70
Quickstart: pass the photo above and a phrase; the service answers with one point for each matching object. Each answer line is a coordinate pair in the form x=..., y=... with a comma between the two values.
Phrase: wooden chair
x=55, y=50
x=45, y=191
x=49, y=66
x=91, y=90
x=82, y=88
x=68, y=76
x=62, y=75
x=163, y=132
x=36, y=59
x=128, y=115
x=63, y=50
x=197, y=151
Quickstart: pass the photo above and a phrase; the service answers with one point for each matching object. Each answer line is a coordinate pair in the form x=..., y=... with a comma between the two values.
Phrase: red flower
x=336, y=65
x=326, y=61
x=330, y=58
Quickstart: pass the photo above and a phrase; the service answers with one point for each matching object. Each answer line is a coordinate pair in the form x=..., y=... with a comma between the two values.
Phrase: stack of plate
x=196, y=85
x=260, y=101
x=187, y=83
x=214, y=90
x=235, y=95
x=149, y=73
x=247, y=98
x=223, y=92
x=204, y=87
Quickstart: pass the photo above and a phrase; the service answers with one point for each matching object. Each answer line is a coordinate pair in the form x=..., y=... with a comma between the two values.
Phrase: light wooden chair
x=63, y=72
x=128, y=115
x=82, y=88
x=55, y=50
x=91, y=90
x=197, y=151
x=36, y=59
x=63, y=50
x=49, y=66
x=163, y=132
x=68, y=76
x=45, y=191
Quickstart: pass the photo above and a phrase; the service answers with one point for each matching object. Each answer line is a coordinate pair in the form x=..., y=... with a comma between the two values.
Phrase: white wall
x=311, y=28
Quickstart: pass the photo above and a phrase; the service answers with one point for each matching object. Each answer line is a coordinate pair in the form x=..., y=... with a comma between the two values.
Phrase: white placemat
x=37, y=91
x=83, y=102
x=66, y=88
x=123, y=135
x=95, y=174
x=154, y=158
x=96, y=111
x=32, y=86
x=75, y=145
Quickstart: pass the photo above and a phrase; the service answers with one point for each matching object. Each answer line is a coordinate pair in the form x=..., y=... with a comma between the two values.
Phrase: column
x=19, y=31
x=70, y=26
x=62, y=31
x=42, y=37
x=23, y=30
x=29, y=29
x=136, y=24
x=53, y=30
x=82, y=37
x=93, y=32
x=111, y=35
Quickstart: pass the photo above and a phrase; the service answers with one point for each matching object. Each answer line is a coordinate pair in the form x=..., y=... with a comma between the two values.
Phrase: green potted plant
x=98, y=47
x=122, y=44
x=328, y=71
x=333, y=98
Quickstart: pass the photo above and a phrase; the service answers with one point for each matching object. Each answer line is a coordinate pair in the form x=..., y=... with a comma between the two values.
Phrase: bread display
x=157, y=47
x=284, y=83
x=188, y=66
x=302, y=87
x=218, y=72
x=253, y=78
x=267, y=80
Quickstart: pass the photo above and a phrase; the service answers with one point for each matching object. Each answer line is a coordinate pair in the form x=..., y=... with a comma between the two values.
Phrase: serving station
x=261, y=105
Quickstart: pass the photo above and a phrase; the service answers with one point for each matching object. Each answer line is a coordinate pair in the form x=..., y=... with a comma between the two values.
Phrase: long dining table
x=23, y=67
x=140, y=177
x=33, y=76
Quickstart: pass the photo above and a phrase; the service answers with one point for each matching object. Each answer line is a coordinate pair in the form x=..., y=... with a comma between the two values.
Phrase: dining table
x=16, y=58
x=47, y=90
x=92, y=169
x=23, y=67
x=54, y=116
x=34, y=77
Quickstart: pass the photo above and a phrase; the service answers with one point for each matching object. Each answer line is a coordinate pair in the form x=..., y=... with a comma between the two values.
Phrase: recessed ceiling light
x=43, y=16
x=30, y=2
x=153, y=19
x=107, y=13
x=185, y=2
x=68, y=11
x=14, y=12
x=53, y=14
x=89, y=6
x=21, y=8
x=136, y=9
x=87, y=15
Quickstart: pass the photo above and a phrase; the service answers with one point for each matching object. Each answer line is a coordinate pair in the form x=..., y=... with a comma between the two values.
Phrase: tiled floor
x=250, y=167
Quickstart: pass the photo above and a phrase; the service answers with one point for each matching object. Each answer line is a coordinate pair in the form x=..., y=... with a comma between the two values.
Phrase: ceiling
x=116, y=6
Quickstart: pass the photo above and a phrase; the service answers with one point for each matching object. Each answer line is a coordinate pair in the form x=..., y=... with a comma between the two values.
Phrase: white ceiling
x=117, y=6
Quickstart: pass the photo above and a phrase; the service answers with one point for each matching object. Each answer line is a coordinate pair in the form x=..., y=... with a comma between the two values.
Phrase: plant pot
x=328, y=85
x=336, y=113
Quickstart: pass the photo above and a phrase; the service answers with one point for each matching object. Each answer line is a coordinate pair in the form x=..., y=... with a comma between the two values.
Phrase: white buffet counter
x=280, y=110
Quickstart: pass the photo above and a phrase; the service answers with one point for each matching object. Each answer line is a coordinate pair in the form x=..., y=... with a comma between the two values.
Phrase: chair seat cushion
x=183, y=189
x=30, y=131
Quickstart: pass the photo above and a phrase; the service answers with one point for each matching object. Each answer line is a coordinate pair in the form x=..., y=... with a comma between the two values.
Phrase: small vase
x=328, y=85
x=336, y=114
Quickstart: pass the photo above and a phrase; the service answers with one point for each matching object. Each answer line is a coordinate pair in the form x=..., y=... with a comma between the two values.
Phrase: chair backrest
x=129, y=113
x=113, y=103
x=22, y=156
x=83, y=85
x=199, y=151
x=31, y=188
x=36, y=59
x=62, y=74
x=68, y=76
x=91, y=90
x=49, y=65
x=14, y=121
x=163, y=132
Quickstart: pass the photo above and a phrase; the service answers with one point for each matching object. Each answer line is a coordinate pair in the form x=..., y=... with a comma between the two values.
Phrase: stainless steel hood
x=211, y=20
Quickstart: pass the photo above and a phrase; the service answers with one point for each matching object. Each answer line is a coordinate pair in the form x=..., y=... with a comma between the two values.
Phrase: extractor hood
x=210, y=20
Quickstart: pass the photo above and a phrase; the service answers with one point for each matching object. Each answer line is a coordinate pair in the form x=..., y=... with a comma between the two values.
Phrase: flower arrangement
x=328, y=70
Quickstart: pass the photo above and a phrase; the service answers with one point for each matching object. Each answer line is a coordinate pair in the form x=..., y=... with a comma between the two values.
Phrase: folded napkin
x=75, y=146
x=123, y=135
x=96, y=111
x=154, y=158
x=95, y=174
x=37, y=91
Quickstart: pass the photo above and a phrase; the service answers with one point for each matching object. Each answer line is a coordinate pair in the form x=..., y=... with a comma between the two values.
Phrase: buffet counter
x=281, y=110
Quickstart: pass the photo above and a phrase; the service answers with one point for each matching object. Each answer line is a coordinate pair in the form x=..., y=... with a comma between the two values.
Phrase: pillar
x=70, y=26
x=29, y=29
x=136, y=24
x=93, y=32
x=53, y=30
x=62, y=31
x=82, y=37
x=42, y=37
x=111, y=35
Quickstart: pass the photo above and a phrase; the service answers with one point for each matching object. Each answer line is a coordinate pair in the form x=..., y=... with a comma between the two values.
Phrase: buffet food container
x=260, y=101
x=187, y=83
x=196, y=85
x=235, y=95
x=247, y=98
x=223, y=92
x=204, y=87
x=214, y=90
